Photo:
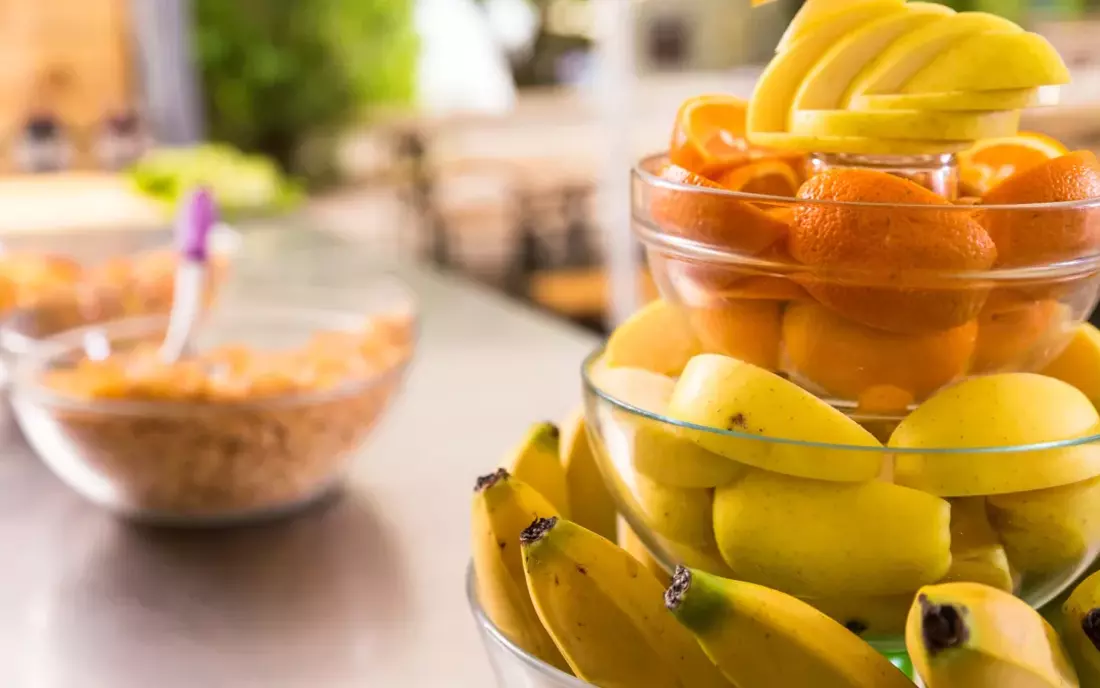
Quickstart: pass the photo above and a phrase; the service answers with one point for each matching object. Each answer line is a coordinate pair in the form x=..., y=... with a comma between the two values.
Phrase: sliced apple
x=829, y=79
x=857, y=145
x=814, y=13
x=906, y=124
x=959, y=101
x=992, y=60
x=777, y=86
x=909, y=54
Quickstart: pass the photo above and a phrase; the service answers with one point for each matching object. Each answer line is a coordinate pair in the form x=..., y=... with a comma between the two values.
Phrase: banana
x=657, y=448
x=634, y=546
x=536, y=462
x=976, y=553
x=726, y=394
x=1082, y=630
x=604, y=611
x=761, y=637
x=590, y=504
x=973, y=635
x=503, y=506
x=1049, y=531
x=819, y=539
x=989, y=411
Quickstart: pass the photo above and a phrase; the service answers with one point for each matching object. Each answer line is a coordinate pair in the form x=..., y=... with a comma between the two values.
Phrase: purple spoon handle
x=197, y=218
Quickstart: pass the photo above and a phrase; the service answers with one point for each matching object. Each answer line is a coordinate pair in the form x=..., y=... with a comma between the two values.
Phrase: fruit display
x=561, y=605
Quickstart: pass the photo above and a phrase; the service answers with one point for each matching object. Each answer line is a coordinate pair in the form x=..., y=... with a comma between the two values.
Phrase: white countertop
x=367, y=591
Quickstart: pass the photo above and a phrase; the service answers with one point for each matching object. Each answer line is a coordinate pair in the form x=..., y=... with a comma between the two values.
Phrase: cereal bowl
x=244, y=429
x=853, y=528
x=850, y=298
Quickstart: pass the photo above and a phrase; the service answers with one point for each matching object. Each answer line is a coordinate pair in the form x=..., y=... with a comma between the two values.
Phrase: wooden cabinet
x=70, y=58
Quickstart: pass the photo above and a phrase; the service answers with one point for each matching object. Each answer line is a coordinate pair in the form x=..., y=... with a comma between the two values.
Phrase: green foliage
x=277, y=73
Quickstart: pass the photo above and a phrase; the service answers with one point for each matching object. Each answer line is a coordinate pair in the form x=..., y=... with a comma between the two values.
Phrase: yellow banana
x=762, y=637
x=872, y=617
x=536, y=461
x=503, y=507
x=974, y=635
x=1081, y=631
x=604, y=610
x=590, y=504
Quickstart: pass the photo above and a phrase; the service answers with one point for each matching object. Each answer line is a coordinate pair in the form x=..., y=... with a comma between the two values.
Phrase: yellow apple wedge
x=771, y=101
x=992, y=60
x=815, y=13
x=992, y=412
x=977, y=555
x=827, y=82
x=862, y=145
x=960, y=101
x=906, y=124
x=757, y=406
x=1079, y=362
x=906, y=56
x=657, y=338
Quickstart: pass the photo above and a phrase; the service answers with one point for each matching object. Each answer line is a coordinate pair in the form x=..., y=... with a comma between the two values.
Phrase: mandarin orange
x=717, y=220
x=1037, y=236
x=849, y=360
x=1020, y=338
x=744, y=329
x=709, y=135
x=876, y=263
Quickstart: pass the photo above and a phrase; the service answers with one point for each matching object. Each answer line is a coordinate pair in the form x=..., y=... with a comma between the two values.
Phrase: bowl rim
x=592, y=388
x=26, y=385
x=641, y=171
x=649, y=232
x=529, y=660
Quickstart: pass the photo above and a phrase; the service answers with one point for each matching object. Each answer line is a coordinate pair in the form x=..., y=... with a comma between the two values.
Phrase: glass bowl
x=512, y=666
x=857, y=548
x=213, y=456
x=890, y=299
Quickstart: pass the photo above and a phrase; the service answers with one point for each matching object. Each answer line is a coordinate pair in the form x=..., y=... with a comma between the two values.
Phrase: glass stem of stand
x=936, y=172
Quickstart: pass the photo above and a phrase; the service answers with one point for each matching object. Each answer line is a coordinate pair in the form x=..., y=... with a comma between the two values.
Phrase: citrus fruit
x=847, y=359
x=709, y=135
x=874, y=263
x=990, y=161
x=1032, y=237
x=718, y=220
x=746, y=329
x=767, y=177
x=1018, y=338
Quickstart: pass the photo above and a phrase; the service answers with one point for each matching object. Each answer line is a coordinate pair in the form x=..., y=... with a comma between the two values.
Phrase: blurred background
x=489, y=138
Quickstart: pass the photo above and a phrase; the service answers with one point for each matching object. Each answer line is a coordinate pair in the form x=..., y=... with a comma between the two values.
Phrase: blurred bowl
x=512, y=666
x=858, y=550
x=869, y=313
x=211, y=457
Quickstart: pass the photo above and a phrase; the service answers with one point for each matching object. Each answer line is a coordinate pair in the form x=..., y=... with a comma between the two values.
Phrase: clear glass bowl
x=204, y=461
x=512, y=666
x=856, y=550
x=899, y=297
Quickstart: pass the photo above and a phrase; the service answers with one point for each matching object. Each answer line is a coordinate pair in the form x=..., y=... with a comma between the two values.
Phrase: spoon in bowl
x=198, y=215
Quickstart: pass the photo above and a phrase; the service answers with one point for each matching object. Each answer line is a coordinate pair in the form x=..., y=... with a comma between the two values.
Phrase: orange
x=851, y=361
x=767, y=177
x=697, y=281
x=1019, y=338
x=874, y=263
x=1037, y=236
x=744, y=329
x=990, y=161
x=709, y=135
x=717, y=220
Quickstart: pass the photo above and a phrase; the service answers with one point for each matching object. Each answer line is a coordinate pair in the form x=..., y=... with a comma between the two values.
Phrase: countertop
x=366, y=590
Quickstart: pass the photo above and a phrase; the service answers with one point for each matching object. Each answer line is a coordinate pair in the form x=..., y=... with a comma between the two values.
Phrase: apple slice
x=812, y=15
x=770, y=105
x=829, y=79
x=907, y=124
x=961, y=101
x=857, y=145
x=909, y=54
x=992, y=60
